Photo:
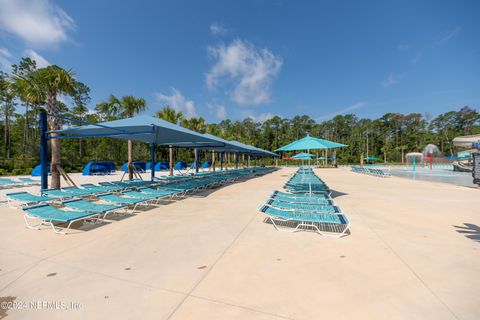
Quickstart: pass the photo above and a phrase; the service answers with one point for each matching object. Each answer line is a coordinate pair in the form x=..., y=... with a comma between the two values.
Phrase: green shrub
x=27, y=171
x=17, y=171
x=3, y=172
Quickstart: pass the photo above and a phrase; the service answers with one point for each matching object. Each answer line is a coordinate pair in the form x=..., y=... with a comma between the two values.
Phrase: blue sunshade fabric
x=141, y=128
x=153, y=130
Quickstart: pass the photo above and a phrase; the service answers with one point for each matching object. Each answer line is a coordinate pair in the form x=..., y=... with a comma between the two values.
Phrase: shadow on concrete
x=469, y=230
x=336, y=194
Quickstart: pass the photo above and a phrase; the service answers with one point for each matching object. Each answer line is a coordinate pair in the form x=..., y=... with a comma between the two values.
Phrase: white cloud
x=41, y=61
x=178, y=102
x=445, y=37
x=261, y=117
x=347, y=109
x=403, y=47
x=218, y=110
x=391, y=80
x=248, y=71
x=216, y=29
x=417, y=57
x=221, y=112
x=5, y=62
x=38, y=22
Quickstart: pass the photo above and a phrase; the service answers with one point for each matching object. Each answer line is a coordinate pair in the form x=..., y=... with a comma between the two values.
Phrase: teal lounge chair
x=140, y=195
x=29, y=181
x=25, y=198
x=311, y=200
x=324, y=223
x=56, y=193
x=78, y=192
x=98, y=189
x=9, y=183
x=87, y=206
x=123, y=201
x=159, y=193
x=303, y=207
x=306, y=196
x=51, y=216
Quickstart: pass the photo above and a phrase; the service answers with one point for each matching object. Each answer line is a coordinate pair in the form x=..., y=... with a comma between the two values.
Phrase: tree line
x=28, y=88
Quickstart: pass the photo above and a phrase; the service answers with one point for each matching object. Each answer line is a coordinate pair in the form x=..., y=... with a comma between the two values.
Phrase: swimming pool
x=442, y=173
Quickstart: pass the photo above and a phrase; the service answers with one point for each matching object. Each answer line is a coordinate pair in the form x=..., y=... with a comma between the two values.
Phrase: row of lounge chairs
x=305, y=208
x=371, y=171
x=7, y=183
x=60, y=208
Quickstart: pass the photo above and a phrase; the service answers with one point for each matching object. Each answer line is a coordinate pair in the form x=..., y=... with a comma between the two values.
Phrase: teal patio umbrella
x=310, y=143
x=303, y=156
x=370, y=159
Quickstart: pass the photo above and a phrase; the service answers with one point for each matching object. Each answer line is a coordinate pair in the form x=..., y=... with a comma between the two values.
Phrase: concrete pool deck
x=211, y=256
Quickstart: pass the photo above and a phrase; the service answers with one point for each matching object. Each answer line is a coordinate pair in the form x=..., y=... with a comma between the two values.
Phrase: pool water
x=443, y=174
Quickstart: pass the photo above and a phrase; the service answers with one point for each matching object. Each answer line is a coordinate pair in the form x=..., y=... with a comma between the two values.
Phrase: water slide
x=465, y=165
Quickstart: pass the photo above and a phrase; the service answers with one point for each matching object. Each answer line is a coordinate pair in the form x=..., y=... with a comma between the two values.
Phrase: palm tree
x=125, y=107
x=195, y=124
x=170, y=115
x=43, y=86
x=173, y=116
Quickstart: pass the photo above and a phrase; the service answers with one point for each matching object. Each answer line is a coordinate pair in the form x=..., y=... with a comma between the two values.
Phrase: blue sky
x=233, y=59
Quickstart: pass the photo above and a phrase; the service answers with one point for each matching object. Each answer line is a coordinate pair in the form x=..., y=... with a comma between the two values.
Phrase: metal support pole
x=236, y=160
x=255, y=162
x=170, y=151
x=196, y=160
x=152, y=161
x=213, y=160
x=43, y=150
x=221, y=160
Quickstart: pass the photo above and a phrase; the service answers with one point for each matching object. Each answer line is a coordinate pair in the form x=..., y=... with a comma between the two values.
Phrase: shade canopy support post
x=196, y=160
x=170, y=151
x=152, y=162
x=43, y=150
x=221, y=160
x=213, y=160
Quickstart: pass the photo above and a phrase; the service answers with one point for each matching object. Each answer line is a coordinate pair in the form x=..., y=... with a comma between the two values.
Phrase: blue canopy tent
x=158, y=166
x=180, y=165
x=98, y=167
x=162, y=166
x=149, y=165
x=36, y=172
x=139, y=166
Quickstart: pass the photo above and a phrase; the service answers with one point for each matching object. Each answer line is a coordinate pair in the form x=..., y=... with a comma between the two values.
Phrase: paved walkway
x=212, y=257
